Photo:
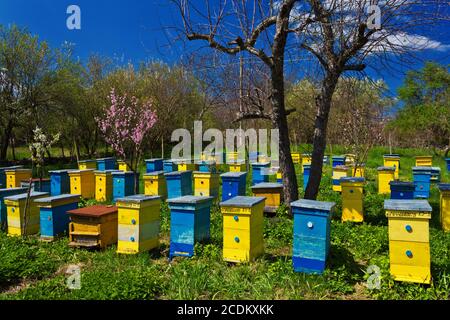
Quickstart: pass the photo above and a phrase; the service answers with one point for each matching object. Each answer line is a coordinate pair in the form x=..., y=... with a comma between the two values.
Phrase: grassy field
x=30, y=269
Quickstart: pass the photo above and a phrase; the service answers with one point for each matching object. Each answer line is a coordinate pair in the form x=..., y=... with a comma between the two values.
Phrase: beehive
x=435, y=174
x=105, y=164
x=23, y=219
x=409, y=247
x=273, y=192
x=207, y=166
x=392, y=160
x=189, y=224
x=87, y=164
x=311, y=247
x=38, y=185
x=139, y=221
x=402, y=190
x=260, y=172
x=104, y=185
x=170, y=166
x=3, y=174
x=352, y=199
x=296, y=157
x=123, y=166
x=238, y=166
x=338, y=173
x=306, y=172
x=233, y=184
x=186, y=165
x=82, y=182
x=359, y=171
x=93, y=227
x=155, y=184
x=444, y=206
x=385, y=176
x=206, y=184
x=338, y=161
x=232, y=157
x=123, y=184
x=424, y=161
x=14, y=177
x=253, y=156
x=54, y=220
x=3, y=194
x=350, y=159
x=243, y=221
x=422, y=182
x=279, y=174
x=326, y=160
x=306, y=160
x=153, y=165
x=447, y=160
x=179, y=184
x=263, y=158
x=59, y=182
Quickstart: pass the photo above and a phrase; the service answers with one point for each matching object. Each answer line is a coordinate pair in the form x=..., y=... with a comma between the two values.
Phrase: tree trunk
x=4, y=141
x=279, y=120
x=323, y=104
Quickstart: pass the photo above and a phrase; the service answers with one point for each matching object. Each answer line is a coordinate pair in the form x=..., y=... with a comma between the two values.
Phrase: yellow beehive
x=206, y=184
x=104, y=185
x=243, y=223
x=306, y=160
x=409, y=246
x=385, y=176
x=350, y=159
x=87, y=164
x=296, y=157
x=232, y=157
x=445, y=206
x=272, y=192
x=139, y=222
x=338, y=173
x=14, y=177
x=238, y=166
x=82, y=182
x=359, y=171
x=263, y=158
x=155, y=184
x=186, y=165
x=392, y=160
x=123, y=166
x=424, y=161
x=352, y=199
x=23, y=219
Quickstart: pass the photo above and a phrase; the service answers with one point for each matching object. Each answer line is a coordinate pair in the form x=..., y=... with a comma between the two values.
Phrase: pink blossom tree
x=125, y=125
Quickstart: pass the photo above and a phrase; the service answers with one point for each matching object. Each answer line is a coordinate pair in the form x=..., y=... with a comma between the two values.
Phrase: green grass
x=30, y=269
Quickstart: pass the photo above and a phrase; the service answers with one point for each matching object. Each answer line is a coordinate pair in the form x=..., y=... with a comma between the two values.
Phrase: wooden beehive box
x=445, y=206
x=238, y=166
x=352, y=199
x=392, y=160
x=385, y=176
x=3, y=174
x=424, y=161
x=243, y=224
x=306, y=173
x=104, y=185
x=82, y=182
x=422, y=182
x=189, y=224
x=233, y=184
x=139, y=222
x=14, y=177
x=312, y=229
x=38, y=185
x=358, y=171
x=23, y=218
x=93, y=227
x=87, y=165
x=338, y=161
x=3, y=213
x=206, y=184
x=260, y=172
x=170, y=166
x=338, y=173
x=105, y=164
x=59, y=182
x=186, y=165
x=409, y=240
x=155, y=184
x=53, y=214
x=153, y=165
x=272, y=192
x=123, y=166
x=123, y=184
x=296, y=157
x=207, y=166
x=402, y=190
x=306, y=160
x=179, y=184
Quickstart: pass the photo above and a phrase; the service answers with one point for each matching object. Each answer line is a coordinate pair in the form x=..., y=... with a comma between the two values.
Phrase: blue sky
x=131, y=30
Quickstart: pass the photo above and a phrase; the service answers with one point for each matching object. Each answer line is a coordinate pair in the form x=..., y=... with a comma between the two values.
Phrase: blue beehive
x=338, y=161
x=260, y=172
x=448, y=164
x=189, y=223
x=169, y=166
x=179, y=184
x=402, y=190
x=123, y=184
x=312, y=220
x=3, y=174
x=233, y=184
x=153, y=165
x=253, y=156
x=106, y=164
x=306, y=171
x=435, y=174
x=54, y=219
x=422, y=181
x=207, y=166
x=3, y=194
x=37, y=185
x=59, y=182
